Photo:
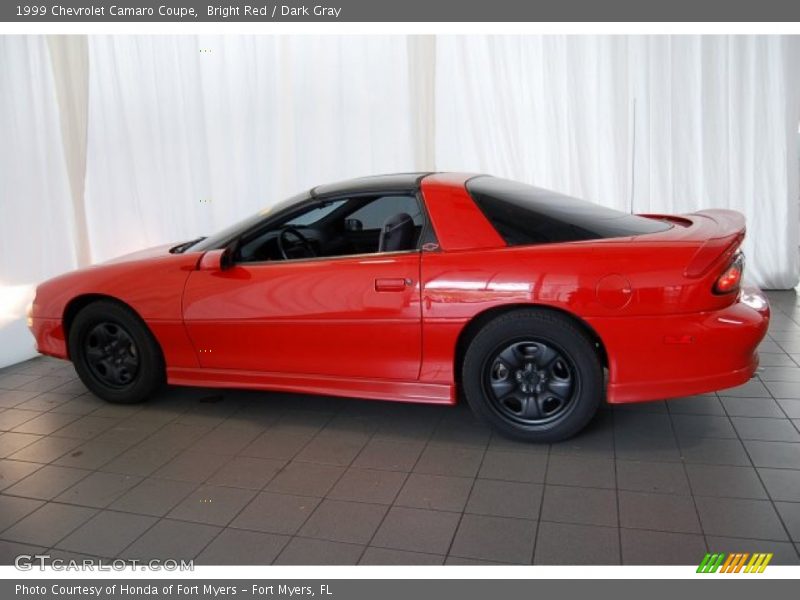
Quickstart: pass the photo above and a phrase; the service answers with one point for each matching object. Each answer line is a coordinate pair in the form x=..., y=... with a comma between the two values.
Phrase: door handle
x=391, y=284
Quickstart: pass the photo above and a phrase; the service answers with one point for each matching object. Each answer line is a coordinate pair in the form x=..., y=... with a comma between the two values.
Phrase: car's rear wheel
x=533, y=375
x=115, y=354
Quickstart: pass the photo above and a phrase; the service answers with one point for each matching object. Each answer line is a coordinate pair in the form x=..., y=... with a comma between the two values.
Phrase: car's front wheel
x=533, y=375
x=114, y=353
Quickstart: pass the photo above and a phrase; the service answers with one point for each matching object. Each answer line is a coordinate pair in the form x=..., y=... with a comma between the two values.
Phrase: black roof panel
x=396, y=182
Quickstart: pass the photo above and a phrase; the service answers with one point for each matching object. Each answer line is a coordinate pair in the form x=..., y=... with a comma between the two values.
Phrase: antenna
x=633, y=155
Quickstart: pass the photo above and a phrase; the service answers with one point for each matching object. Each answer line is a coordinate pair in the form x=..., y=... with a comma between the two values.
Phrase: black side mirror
x=229, y=255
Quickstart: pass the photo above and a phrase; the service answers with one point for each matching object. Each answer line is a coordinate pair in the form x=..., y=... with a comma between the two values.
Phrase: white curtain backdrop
x=546, y=110
x=70, y=61
x=110, y=144
x=666, y=124
x=717, y=126
x=187, y=134
x=36, y=219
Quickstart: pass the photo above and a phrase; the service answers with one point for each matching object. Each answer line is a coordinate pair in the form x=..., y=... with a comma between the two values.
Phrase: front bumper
x=49, y=336
x=652, y=358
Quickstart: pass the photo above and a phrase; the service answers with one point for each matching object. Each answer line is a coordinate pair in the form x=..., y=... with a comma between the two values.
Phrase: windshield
x=223, y=237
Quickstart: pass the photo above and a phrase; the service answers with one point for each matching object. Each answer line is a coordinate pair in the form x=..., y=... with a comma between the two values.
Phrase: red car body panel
x=150, y=282
x=388, y=326
x=458, y=223
x=320, y=316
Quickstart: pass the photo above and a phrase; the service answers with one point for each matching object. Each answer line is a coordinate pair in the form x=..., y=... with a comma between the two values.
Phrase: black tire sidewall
x=551, y=328
x=150, y=375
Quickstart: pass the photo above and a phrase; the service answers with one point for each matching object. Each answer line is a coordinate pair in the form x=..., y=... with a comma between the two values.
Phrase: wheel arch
x=78, y=303
x=474, y=325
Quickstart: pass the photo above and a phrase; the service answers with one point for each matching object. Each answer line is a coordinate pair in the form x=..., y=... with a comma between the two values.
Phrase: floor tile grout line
x=74, y=529
x=38, y=415
x=89, y=471
x=322, y=498
x=400, y=489
x=222, y=528
x=157, y=519
x=780, y=407
x=548, y=454
x=238, y=453
x=109, y=508
x=160, y=518
x=766, y=489
x=388, y=547
x=264, y=489
x=131, y=447
x=689, y=480
x=616, y=487
x=460, y=520
x=290, y=537
x=87, y=440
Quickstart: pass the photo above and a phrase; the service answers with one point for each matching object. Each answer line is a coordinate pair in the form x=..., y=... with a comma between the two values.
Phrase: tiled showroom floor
x=244, y=478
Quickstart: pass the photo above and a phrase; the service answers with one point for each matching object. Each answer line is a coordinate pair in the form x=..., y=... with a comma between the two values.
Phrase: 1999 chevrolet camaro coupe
x=426, y=287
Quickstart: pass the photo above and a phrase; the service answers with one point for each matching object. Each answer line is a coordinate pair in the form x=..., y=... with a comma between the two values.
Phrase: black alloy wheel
x=530, y=381
x=111, y=354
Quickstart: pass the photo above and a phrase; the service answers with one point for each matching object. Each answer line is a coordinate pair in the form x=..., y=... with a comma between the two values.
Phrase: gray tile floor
x=230, y=477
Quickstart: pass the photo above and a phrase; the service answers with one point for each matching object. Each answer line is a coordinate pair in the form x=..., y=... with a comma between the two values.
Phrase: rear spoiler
x=725, y=231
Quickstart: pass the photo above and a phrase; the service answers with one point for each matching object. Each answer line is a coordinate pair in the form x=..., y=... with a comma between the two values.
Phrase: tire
x=533, y=375
x=114, y=353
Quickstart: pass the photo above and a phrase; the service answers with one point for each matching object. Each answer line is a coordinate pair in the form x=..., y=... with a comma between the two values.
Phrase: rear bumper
x=652, y=358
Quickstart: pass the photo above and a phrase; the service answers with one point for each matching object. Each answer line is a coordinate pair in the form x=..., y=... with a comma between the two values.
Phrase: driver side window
x=340, y=227
x=374, y=214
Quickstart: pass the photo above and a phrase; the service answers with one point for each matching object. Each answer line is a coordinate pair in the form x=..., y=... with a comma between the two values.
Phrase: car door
x=348, y=316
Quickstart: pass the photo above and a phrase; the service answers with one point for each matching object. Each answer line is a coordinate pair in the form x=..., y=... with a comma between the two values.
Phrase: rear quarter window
x=523, y=214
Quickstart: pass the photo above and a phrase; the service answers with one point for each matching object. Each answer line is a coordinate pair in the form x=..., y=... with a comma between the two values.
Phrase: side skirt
x=397, y=391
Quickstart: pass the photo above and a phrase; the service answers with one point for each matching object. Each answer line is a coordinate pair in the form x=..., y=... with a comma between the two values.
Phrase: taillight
x=732, y=276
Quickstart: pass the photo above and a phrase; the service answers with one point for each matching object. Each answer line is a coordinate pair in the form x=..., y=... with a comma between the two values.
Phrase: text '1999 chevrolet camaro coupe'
x=533, y=306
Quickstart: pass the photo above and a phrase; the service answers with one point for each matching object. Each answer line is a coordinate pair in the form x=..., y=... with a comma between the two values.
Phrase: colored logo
x=734, y=563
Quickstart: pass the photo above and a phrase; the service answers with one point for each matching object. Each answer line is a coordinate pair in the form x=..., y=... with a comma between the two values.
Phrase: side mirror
x=216, y=260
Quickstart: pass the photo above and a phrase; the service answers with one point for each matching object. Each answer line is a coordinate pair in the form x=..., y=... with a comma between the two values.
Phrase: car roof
x=396, y=182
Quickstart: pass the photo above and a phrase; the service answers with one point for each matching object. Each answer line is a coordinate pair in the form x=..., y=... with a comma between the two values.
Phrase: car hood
x=152, y=252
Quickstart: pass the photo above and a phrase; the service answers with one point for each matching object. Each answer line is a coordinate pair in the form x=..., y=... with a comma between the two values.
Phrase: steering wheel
x=289, y=249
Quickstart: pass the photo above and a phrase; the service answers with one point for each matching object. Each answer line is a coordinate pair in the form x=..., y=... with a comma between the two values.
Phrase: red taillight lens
x=729, y=280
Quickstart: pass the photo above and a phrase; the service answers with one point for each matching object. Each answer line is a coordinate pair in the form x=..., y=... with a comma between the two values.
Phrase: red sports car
x=426, y=287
